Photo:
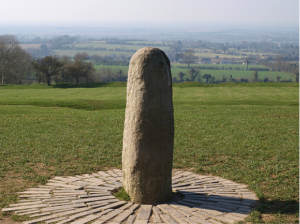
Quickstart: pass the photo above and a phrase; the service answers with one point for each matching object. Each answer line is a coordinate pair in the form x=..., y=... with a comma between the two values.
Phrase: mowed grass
x=247, y=134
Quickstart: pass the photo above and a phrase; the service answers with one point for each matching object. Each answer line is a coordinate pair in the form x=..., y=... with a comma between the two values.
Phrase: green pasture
x=137, y=45
x=113, y=46
x=200, y=53
x=72, y=53
x=174, y=65
x=146, y=42
x=213, y=55
x=113, y=68
x=248, y=133
x=217, y=73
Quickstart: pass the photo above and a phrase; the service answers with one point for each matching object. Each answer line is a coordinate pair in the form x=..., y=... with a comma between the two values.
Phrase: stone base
x=87, y=198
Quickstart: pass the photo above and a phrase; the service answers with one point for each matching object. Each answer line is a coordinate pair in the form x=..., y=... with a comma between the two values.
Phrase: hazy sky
x=231, y=11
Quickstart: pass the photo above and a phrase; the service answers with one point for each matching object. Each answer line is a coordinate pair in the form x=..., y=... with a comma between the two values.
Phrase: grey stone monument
x=148, y=137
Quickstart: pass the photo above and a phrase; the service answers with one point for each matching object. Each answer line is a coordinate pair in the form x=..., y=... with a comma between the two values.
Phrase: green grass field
x=248, y=133
x=217, y=73
x=201, y=54
x=221, y=65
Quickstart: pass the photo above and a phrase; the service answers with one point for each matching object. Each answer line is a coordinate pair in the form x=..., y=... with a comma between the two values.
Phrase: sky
x=264, y=12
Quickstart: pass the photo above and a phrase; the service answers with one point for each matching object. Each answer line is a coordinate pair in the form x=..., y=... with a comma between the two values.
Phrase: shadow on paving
x=238, y=205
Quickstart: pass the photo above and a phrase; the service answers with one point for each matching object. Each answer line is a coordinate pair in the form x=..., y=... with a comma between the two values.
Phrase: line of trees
x=16, y=65
x=194, y=75
x=64, y=69
x=280, y=64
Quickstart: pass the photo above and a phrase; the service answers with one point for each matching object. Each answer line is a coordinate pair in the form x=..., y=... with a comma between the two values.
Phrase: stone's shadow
x=262, y=205
x=217, y=203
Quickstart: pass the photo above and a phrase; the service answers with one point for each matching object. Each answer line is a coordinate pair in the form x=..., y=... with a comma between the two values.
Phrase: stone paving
x=88, y=199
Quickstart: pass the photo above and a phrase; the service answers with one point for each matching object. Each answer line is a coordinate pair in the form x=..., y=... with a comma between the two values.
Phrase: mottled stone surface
x=148, y=137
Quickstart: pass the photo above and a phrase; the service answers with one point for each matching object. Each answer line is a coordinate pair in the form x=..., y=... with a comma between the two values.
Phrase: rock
x=148, y=137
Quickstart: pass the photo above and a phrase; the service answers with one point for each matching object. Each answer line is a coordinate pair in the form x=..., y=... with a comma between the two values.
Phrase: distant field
x=26, y=46
x=200, y=53
x=125, y=47
x=113, y=68
x=99, y=42
x=72, y=53
x=239, y=74
x=213, y=55
x=217, y=73
x=147, y=42
x=113, y=46
x=221, y=65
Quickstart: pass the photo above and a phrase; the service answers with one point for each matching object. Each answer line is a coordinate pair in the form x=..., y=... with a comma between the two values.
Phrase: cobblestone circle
x=88, y=199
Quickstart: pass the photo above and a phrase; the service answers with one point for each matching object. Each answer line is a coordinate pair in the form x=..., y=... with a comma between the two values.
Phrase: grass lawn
x=246, y=133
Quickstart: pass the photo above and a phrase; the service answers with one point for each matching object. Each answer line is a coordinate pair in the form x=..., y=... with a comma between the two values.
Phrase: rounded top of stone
x=149, y=52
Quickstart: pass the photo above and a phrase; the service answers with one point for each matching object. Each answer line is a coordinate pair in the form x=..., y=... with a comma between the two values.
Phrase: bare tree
x=97, y=59
x=14, y=61
x=224, y=48
x=79, y=67
x=278, y=77
x=189, y=56
x=296, y=73
x=193, y=73
x=180, y=76
x=247, y=61
x=207, y=77
x=255, y=75
x=279, y=63
x=81, y=57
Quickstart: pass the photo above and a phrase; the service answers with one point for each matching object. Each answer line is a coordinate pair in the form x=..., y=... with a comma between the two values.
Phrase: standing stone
x=148, y=137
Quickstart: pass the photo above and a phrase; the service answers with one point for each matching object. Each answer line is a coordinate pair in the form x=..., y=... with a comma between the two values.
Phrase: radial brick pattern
x=88, y=199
